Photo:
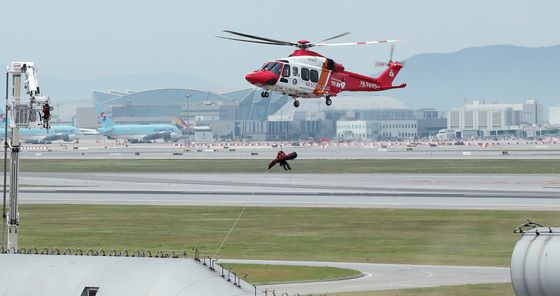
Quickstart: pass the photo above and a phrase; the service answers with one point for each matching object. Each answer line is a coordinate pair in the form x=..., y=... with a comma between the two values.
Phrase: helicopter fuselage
x=307, y=74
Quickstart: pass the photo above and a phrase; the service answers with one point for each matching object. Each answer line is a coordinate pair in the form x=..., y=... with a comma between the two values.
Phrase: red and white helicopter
x=307, y=74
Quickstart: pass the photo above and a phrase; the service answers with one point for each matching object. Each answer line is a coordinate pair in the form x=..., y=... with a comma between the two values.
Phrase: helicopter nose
x=262, y=78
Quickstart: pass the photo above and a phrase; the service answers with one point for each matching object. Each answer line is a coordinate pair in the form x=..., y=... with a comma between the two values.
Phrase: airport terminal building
x=554, y=115
x=245, y=115
x=490, y=120
x=220, y=113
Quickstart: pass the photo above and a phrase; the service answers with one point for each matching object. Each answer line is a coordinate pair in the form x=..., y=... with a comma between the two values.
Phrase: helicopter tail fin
x=386, y=78
x=3, y=116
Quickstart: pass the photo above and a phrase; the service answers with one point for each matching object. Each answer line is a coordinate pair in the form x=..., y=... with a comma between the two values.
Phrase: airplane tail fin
x=180, y=123
x=3, y=117
x=103, y=116
x=386, y=78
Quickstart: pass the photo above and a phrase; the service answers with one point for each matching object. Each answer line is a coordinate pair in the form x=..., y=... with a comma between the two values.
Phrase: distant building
x=163, y=105
x=203, y=134
x=483, y=120
x=351, y=130
x=256, y=130
x=394, y=129
x=252, y=122
x=229, y=115
x=430, y=122
x=385, y=118
x=554, y=115
x=246, y=115
x=86, y=117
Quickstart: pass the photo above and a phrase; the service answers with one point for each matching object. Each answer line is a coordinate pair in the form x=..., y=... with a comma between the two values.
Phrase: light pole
x=6, y=146
x=188, y=120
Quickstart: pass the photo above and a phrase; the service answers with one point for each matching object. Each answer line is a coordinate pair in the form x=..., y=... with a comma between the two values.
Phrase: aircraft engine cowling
x=69, y=138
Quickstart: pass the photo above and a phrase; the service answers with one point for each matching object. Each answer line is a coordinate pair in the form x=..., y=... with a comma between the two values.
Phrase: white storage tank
x=66, y=275
x=535, y=263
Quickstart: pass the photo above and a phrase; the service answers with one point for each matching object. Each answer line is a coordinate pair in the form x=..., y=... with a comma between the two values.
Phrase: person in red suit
x=46, y=116
x=283, y=163
x=282, y=159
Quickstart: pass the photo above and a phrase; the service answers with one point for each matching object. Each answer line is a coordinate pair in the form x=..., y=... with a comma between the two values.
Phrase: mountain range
x=500, y=73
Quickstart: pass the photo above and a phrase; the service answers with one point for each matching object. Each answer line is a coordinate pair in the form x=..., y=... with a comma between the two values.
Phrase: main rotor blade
x=260, y=38
x=334, y=37
x=357, y=43
x=252, y=41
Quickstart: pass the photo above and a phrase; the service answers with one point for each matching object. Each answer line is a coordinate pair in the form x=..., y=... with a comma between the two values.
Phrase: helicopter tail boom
x=359, y=82
x=386, y=78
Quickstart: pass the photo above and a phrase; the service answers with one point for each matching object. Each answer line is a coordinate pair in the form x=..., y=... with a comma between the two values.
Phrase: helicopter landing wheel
x=328, y=101
x=296, y=103
x=264, y=94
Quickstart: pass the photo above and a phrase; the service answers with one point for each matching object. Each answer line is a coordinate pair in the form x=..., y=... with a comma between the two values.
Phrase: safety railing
x=97, y=252
x=212, y=263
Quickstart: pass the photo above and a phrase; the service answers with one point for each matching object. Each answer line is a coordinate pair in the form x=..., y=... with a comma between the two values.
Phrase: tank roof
x=64, y=275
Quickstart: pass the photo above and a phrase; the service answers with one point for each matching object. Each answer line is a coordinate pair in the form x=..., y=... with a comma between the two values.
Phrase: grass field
x=466, y=290
x=265, y=274
x=440, y=166
x=362, y=235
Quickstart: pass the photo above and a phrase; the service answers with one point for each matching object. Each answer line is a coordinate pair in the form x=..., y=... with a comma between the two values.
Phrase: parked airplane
x=180, y=124
x=65, y=133
x=135, y=133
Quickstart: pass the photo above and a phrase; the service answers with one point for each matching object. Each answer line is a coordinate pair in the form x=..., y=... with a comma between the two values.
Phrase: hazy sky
x=81, y=40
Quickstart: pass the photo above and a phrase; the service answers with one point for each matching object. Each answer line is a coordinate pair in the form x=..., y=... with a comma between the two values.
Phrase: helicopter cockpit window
x=286, y=71
x=276, y=68
x=314, y=76
x=295, y=71
x=305, y=74
x=264, y=66
x=269, y=66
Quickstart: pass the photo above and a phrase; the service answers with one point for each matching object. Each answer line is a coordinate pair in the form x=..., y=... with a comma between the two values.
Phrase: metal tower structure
x=33, y=110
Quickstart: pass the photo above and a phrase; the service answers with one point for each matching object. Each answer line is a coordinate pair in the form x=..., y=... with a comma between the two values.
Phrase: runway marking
x=283, y=203
x=482, y=195
x=283, y=184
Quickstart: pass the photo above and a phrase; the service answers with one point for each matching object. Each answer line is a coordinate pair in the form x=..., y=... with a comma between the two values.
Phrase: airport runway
x=92, y=150
x=386, y=277
x=425, y=191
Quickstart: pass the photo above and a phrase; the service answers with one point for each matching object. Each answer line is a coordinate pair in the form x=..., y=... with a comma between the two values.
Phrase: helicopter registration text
x=368, y=84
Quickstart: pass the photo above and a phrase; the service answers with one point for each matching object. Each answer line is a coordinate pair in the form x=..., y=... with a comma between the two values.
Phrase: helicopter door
x=285, y=74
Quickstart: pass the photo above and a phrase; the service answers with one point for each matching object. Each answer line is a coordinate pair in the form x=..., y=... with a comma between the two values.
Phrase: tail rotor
x=391, y=54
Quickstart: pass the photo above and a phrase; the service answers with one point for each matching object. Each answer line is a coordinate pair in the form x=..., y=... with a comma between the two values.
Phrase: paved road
x=505, y=192
x=387, y=277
